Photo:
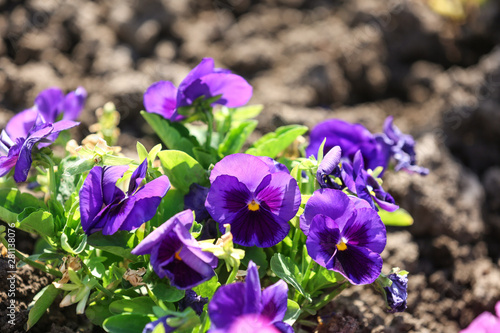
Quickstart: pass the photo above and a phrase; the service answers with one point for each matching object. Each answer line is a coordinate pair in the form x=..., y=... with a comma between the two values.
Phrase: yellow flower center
x=253, y=206
x=177, y=256
x=342, y=246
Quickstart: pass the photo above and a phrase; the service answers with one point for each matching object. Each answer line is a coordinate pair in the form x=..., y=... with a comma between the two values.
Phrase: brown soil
x=358, y=60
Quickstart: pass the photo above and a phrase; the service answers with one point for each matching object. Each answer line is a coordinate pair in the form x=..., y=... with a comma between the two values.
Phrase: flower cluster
x=204, y=236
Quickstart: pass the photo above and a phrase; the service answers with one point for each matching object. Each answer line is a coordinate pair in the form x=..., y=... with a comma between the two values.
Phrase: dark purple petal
x=137, y=176
x=20, y=125
x=252, y=290
x=321, y=241
x=329, y=202
x=358, y=264
x=194, y=301
x=48, y=103
x=91, y=198
x=115, y=215
x=206, y=66
x=195, y=200
x=73, y=103
x=365, y=229
x=184, y=218
x=274, y=301
x=110, y=175
x=24, y=160
x=283, y=327
x=147, y=199
x=226, y=198
x=330, y=161
x=227, y=305
x=281, y=194
x=273, y=165
x=250, y=170
x=161, y=98
x=7, y=163
x=397, y=292
x=386, y=203
x=234, y=89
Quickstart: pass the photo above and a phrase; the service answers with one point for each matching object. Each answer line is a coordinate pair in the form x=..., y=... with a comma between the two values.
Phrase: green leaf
x=182, y=170
x=247, y=112
x=171, y=204
x=287, y=270
x=118, y=243
x=173, y=135
x=323, y=278
x=74, y=166
x=126, y=323
x=258, y=256
x=79, y=241
x=167, y=293
x=207, y=288
x=274, y=143
x=139, y=305
x=292, y=312
x=204, y=157
x=98, y=313
x=13, y=202
x=398, y=218
x=141, y=151
x=235, y=139
x=36, y=221
x=45, y=298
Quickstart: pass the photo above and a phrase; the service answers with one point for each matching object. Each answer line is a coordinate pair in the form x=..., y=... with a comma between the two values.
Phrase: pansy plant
x=205, y=235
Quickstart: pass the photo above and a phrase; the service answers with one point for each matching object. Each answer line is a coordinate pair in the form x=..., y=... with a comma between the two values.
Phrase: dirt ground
x=308, y=60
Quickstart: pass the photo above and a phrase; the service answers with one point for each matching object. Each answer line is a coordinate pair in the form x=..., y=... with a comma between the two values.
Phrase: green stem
x=32, y=263
x=295, y=243
x=328, y=298
x=210, y=127
x=232, y=276
x=52, y=176
x=307, y=273
x=153, y=296
x=97, y=284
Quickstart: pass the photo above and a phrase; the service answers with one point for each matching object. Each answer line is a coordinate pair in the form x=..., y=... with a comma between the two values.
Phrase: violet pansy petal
x=161, y=98
x=73, y=103
x=147, y=199
x=110, y=175
x=137, y=176
x=47, y=102
x=183, y=276
x=24, y=160
x=190, y=257
x=274, y=301
x=153, y=239
x=330, y=161
x=149, y=328
x=117, y=215
x=250, y=323
x=235, y=90
x=329, y=202
x=91, y=197
x=7, y=163
x=283, y=327
x=250, y=170
x=281, y=195
x=359, y=265
x=206, y=66
x=64, y=125
x=227, y=305
x=366, y=229
x=20, y=125
x=273, y=165
x=227, y=196
x=252, y=290
x=385, y=205
x=323, y=235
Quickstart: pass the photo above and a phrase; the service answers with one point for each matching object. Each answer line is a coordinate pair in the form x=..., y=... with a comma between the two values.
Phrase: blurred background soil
x=308, y=60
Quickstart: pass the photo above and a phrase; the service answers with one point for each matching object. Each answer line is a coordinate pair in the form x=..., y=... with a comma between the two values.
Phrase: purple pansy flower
x=244, y=307
x=194, y=301
x=255, y=198
x=344, y=234
x=195, y=200
x=176, y=254
x=49, y=105
x=350, y=138
x=204, y=80
x=401, y=147
x=103, y=206
x=486, y=322
x=397, y=292
x=365, y=186
x=16, y=152
x=329, y=166
x=150, y=327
